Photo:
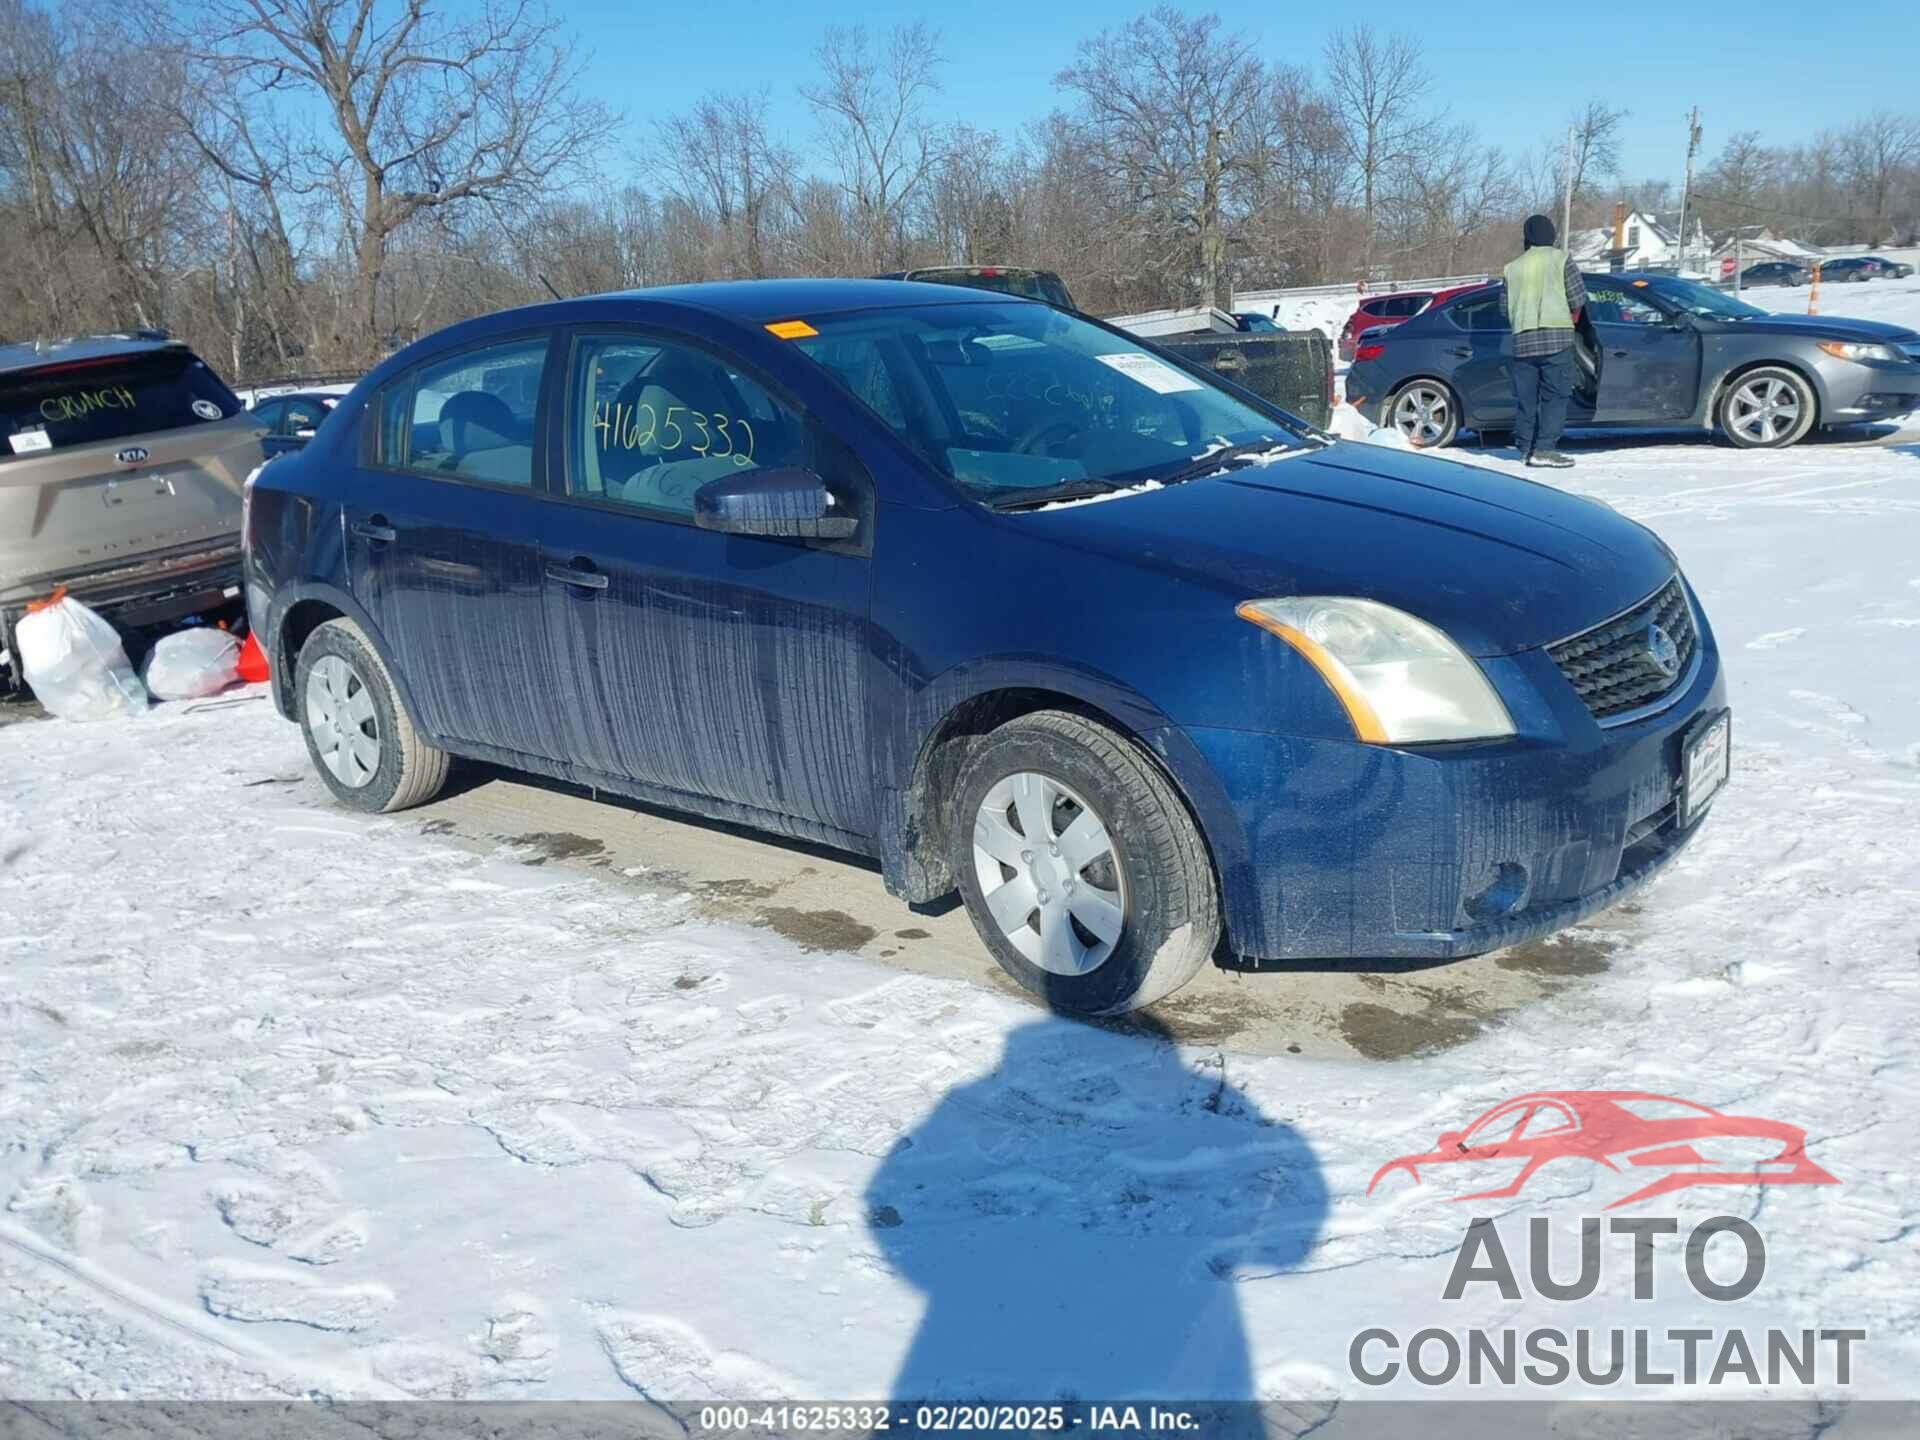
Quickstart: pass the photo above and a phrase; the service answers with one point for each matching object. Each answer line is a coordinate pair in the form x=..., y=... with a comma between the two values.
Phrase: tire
x=339, y=676
x=1753, y=410
x=1151, y=859
x=1427, y=412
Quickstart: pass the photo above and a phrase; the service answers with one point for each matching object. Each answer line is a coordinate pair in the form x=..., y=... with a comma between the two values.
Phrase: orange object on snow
x=253, y=662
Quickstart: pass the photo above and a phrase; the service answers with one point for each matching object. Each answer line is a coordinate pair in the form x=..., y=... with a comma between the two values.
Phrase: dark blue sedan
x=1144, y=669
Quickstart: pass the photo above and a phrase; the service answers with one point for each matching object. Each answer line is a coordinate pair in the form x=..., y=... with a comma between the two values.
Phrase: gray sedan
x=1653, y=352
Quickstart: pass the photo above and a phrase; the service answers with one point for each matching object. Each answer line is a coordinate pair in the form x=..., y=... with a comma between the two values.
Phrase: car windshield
x=1019, y=402
x=86, y=402
x=1697, y=299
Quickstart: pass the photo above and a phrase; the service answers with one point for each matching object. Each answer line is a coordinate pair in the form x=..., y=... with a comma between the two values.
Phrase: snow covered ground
x=293, y=1101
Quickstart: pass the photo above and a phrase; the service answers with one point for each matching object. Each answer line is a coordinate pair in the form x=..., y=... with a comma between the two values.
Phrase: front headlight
x=1853, y=350
x=1402, y=681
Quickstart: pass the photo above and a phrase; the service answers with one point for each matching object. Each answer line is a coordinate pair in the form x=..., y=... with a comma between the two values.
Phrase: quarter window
x=470, y=415
x=650, y=422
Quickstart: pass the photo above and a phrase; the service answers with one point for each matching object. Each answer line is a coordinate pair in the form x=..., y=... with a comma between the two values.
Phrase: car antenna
x=549, y=284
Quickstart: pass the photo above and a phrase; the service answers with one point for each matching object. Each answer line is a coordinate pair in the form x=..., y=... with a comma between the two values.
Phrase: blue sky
x=1765, y=72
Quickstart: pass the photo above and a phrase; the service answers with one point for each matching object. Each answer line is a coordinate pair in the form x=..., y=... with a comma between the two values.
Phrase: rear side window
x=93, y=401
x=470, y=415
x=1478, y=312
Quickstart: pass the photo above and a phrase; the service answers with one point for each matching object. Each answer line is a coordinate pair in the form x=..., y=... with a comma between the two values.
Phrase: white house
x=1650, y=240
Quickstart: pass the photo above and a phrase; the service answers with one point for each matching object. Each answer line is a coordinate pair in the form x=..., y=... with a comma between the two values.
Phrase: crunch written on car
x=1005, y=598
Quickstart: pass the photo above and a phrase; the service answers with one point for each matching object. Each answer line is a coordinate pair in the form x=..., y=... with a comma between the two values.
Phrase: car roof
x=35, y=354
x=758, y=301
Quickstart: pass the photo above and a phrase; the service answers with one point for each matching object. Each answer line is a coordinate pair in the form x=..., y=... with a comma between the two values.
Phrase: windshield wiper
x=1206, y=464
x=1048, y=495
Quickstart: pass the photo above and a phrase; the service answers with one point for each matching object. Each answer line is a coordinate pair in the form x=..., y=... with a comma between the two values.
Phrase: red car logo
x=1623, y=1130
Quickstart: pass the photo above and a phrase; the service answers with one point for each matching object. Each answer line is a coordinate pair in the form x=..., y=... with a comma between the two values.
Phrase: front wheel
x=1083, y=872
x=1426, y=413
x=359, y=734
x=1767, y=409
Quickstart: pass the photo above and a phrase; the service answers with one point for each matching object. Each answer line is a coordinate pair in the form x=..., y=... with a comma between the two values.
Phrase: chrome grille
x=1612, y=667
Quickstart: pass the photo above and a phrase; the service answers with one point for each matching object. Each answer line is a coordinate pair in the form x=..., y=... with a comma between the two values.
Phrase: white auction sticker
x=1154, y=374
x=25, y=441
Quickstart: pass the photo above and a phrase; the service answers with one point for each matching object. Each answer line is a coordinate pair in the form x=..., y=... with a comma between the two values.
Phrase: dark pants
x=1541, y=385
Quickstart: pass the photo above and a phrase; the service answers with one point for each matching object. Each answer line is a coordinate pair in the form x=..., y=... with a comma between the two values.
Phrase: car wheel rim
x=1421, y=414
x=1048, y=874
x=343, y=722
x=1765, y=410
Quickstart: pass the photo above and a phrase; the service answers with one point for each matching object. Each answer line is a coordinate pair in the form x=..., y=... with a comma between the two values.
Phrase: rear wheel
x=1083, y=873
x=358, y=733
x=1425, y=412
x=1767, y=408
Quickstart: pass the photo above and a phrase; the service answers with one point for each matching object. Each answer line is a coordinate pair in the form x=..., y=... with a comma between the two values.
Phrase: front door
x=724, y=666
x=1649, y=361
x=443, y=546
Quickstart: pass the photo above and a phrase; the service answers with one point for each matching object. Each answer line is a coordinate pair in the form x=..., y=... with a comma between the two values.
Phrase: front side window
x=88, y=402
x=1613, y=305
x=650, y=421
x=1014, y=401
x=469, y=416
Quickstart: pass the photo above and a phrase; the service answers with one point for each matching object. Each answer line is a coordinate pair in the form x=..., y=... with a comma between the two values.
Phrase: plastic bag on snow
x=74, y=664
x=191, y=663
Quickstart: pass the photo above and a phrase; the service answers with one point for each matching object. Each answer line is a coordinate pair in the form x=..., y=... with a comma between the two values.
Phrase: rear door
x=1649, y=361
x=443, y=520
x=1478, y=351
x=118, y=459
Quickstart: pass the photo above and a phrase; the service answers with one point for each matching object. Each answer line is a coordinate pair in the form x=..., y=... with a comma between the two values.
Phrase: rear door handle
x=375, y=529
x=1619, y=354
x=584, y=575
x=1463, y=351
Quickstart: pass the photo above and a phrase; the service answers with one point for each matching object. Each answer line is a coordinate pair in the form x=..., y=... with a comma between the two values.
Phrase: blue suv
x=1145, y=669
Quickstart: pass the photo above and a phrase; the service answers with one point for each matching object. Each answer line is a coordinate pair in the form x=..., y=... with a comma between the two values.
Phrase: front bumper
x=1856, y=392
x=1334, y=849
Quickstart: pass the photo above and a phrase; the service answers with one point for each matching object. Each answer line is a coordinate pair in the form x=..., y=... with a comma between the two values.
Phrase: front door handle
x=585, y=576
x=1619, y=354
x=375, y=529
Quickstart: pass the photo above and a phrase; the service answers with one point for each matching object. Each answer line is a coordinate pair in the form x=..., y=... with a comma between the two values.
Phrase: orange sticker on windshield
x=791, y=329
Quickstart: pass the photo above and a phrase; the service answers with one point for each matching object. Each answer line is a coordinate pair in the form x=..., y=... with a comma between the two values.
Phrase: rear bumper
x=147, y=591
x=1338, y=850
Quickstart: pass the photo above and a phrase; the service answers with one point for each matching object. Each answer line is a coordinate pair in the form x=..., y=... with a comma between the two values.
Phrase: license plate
x=1706, y=760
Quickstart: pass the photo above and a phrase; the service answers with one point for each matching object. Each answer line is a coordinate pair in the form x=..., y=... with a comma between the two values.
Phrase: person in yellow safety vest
x=1543, y=300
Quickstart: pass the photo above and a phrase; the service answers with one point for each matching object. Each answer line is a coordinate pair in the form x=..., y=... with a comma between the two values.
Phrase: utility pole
x=1566, y=201
x=1686, y=188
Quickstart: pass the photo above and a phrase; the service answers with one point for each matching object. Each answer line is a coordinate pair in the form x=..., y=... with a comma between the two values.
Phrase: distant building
x=1751, y=244
x=1652, y=241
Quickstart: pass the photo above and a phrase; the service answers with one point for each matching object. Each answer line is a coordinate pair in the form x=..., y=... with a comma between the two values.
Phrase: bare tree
x=1596, y=145
x=719, y=161
x=872, y=103
x=1173, y=113
x=1377, y=85
x=1874, y=156
x=423, y=111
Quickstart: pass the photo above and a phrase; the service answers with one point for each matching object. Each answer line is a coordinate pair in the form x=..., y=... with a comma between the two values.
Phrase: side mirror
x=785, y=503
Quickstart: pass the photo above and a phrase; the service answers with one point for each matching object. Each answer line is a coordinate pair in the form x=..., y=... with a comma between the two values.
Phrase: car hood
x=1824, y=327
x=1499, y=563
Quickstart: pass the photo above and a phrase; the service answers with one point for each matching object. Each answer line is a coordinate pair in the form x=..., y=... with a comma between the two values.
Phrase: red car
x=1379, y=312
x=1623, y=1130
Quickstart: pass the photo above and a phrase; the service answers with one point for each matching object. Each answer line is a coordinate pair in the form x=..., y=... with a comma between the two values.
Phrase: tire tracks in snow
x=172, y=1321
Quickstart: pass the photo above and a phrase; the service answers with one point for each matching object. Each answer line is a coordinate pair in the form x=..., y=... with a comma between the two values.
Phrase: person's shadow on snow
x=1078, y=1219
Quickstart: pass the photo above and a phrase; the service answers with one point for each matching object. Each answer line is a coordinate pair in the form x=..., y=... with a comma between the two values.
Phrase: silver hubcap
x=1421, y=414
x=1765, y=410
x=1049, y=875
x=342, y=721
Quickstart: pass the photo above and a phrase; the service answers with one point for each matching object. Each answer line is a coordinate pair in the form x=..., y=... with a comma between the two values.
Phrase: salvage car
x=292, y=420
x=1653, y=352
x=1006, y=598
x=121, y=479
